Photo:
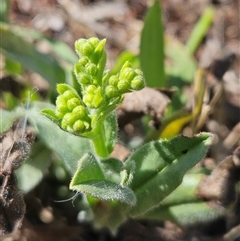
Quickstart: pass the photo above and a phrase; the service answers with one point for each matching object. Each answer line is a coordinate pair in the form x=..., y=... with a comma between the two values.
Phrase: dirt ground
x=121, y=22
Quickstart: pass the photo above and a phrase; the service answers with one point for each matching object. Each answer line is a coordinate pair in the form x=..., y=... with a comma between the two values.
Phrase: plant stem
x=99, y=141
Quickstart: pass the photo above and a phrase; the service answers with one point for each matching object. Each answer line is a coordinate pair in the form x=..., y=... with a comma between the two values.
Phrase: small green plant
x=149, y=175
x=152, y=183
x=100, y=94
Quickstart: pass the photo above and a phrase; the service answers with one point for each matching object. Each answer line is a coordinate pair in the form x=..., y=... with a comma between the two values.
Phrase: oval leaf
x=187, y=213
x=106, y=190
x=88, y=169
x=160, y=167
x=89, y=179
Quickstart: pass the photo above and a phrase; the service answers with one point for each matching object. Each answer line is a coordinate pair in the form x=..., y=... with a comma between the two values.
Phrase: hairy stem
x=99, y=141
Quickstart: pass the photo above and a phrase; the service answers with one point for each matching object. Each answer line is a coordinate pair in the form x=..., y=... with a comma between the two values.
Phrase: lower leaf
x=160, y=167
x=187, y=213
x=106, y=190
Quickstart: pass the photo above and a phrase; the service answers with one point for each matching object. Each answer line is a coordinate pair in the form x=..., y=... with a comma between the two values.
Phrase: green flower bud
x=91, y=69
x=61, y=100
x=87, y=99
x=78, y=68
x=126, y=65
x=83, y=61
x=93, y=96
x=80, y=112
x=98, y=98
x=72, y=103
x=67, y=120
x=113, y=80
x=94, y=41
x=61, y=106
x=111, y=91
x=138, y=72
x=138, y=83
x=99, y=51
x=79, y=126
x=69, y=94
x=67, y=91
x=123, y=85
x=84, y=79
x=84, y=47
x=127, y=73
x=130, y=79
x=76, y=121
x=91, y=89
x=61, y=88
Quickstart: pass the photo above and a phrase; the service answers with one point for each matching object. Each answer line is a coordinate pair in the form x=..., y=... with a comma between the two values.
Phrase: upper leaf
x=18, y=49
x=152, y=48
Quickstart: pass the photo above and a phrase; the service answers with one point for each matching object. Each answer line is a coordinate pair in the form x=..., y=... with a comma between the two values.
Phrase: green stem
x=99, y=141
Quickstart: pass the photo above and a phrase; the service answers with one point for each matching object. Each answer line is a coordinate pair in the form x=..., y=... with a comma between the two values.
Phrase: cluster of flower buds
x=70, y=111
x=90, y=74
x=99, y=89
x=127, y=80
x=89, y=70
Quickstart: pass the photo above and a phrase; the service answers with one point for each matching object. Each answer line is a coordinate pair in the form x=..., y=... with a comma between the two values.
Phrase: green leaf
x=200, y=29
x=4, y=10
x=9, y=100
x=33, y=170
x=18, y=49
x=183, y=206
x=181, y=66
x=184, y=193
x=61, y=49
x=50, y=113
x=88, y=169
x=115, y=171
x=106, y=190
x=152, y=48
x=160, y=167
x=7, y=118
x=89, y=179
x=112, y=168
x=12, y=67
x=187, y=213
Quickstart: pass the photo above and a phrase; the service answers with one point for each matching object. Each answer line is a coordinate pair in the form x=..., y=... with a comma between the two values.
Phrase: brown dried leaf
x=147, y=101
x=15, y=147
